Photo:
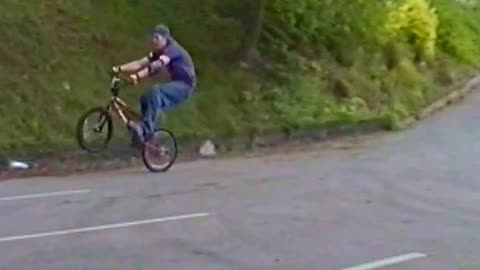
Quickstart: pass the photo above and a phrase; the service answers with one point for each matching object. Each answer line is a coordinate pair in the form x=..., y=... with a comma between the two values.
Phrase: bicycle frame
x=119, y=106
x=121, y=109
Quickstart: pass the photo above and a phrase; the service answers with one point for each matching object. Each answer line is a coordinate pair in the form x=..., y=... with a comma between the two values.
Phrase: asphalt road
x=409, y=200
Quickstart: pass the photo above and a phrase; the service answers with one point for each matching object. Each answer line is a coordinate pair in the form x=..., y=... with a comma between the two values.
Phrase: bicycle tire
x=172, y=160
x=80, y=129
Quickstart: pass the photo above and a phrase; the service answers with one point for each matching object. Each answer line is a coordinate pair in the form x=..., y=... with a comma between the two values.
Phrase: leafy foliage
x=414, y=22
x=303, y=62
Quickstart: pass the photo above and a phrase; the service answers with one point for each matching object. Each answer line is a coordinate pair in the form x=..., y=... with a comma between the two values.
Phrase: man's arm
x=137, y=65
x=151, y=69
x=132, y=66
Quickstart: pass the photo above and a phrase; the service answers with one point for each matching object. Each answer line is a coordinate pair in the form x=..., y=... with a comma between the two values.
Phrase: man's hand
x=115, y=70
x=133, y=79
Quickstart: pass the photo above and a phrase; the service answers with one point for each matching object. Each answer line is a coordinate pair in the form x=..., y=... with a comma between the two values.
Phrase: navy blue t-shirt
x=181, y=66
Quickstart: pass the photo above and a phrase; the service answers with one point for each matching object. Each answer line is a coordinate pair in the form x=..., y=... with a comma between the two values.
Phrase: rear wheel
x=160, y=152
x=94, y=129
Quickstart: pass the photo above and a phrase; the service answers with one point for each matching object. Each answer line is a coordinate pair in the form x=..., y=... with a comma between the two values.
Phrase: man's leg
x=161, y=98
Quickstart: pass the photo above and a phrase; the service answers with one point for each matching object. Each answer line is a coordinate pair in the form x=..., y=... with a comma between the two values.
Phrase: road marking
x=41, y=195
x=102, y=227
x=387, y=262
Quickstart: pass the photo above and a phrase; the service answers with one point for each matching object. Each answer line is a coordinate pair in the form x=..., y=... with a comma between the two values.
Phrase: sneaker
x=137, y=134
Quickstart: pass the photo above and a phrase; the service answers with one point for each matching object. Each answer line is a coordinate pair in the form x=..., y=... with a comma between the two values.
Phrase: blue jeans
x=161, y=98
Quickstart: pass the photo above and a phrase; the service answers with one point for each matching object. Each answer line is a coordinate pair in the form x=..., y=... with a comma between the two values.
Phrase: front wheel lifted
x=97, y=123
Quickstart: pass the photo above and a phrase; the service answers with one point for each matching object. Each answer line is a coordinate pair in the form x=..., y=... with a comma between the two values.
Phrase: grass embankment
x=263, y=65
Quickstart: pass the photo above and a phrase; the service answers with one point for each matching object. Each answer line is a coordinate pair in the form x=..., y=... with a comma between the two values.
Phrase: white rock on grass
x=66, y=86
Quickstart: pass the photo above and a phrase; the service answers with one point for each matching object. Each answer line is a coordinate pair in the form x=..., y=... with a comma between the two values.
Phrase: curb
x=451, y=98
x=319, y=134
x=188, y=152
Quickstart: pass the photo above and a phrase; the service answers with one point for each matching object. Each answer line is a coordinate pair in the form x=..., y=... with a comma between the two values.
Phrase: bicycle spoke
x=160, y=151
x=93, y=131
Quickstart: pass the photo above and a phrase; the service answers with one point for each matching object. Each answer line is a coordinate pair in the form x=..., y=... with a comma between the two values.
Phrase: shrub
x=414, y=22
x=459, y=30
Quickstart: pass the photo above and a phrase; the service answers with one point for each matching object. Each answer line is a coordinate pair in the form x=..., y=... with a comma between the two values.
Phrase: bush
x=414, y=22
x=321, y=28
x=459, y=30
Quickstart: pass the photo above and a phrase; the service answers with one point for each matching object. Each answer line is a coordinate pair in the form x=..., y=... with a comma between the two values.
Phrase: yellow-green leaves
x=414, y=22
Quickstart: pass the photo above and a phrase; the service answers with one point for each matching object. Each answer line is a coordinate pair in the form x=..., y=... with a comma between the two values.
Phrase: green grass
x=330, y=67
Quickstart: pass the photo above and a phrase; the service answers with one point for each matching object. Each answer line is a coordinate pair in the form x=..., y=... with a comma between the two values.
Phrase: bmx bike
x=158, y=153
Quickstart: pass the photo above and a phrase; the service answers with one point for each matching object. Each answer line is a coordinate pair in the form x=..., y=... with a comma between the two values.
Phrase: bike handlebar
x=117, y=83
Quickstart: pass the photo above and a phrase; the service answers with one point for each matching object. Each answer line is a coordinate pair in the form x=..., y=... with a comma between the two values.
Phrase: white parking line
x=102, y=227
x=41, y=195
x=387, y=262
